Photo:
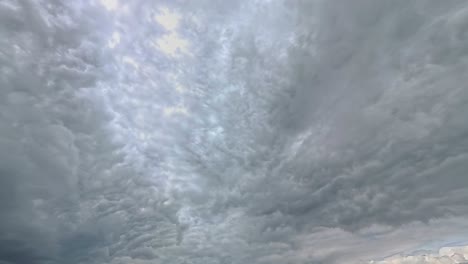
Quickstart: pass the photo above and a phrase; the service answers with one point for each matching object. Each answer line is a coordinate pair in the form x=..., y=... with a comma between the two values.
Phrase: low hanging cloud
x=445, y=255
x=233, y=131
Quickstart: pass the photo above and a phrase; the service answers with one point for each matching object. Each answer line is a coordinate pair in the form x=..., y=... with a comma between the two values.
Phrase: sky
x=233, y=132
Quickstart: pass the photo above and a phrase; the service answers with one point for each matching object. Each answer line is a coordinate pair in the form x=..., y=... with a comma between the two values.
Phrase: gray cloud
x=278, y=131
x=445, y=255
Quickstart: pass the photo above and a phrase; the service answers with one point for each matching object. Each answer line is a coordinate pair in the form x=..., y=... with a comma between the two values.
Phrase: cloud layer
x=232, y=132
x=445, y=255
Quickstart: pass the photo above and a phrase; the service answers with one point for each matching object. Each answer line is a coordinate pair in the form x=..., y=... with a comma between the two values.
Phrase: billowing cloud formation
x=445, y=255
x=231, y=132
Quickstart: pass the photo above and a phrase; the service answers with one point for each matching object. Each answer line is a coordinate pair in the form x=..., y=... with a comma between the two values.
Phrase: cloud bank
x=445, y=255
x=232, y=131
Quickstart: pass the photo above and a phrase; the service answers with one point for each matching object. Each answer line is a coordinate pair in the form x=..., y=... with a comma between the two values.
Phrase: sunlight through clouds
x=110, y=4
x=169, y=20
x=169, y=111
x=171, y=43
x=115, y=40
x=130, y=61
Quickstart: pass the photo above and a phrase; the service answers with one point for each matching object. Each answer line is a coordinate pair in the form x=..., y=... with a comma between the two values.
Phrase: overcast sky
x=233, y=132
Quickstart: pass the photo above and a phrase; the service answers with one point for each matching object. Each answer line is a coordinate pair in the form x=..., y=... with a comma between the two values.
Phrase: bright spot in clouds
x=446, y=255
x=172, y=44
x=110, y=4
x=169, y=20
x=131, y=61
x=115, y=40
x=180, y=88
x=169, y=111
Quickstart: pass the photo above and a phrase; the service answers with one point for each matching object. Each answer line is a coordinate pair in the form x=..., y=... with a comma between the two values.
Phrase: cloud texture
x=231, y=132
x=445, y=255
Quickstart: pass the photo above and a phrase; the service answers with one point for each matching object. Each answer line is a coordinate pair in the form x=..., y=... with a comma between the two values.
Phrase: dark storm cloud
x=385, y=142
x=277, y=132
x=43, y=120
